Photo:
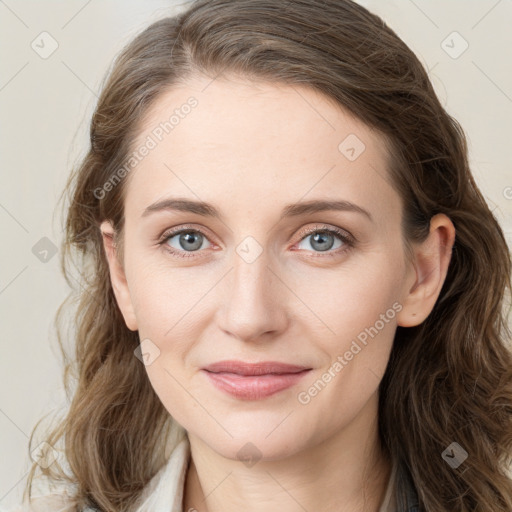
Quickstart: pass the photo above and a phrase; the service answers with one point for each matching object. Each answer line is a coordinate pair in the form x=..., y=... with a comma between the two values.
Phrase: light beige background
x=46, y=105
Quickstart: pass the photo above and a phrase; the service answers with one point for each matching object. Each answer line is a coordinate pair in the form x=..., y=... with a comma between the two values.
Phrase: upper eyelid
x=173, y=232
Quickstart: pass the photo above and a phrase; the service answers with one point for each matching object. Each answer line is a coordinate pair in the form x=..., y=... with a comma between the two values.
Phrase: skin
x=250, y=149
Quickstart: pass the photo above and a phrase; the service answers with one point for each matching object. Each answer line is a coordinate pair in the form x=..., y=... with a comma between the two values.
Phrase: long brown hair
x=448, y=380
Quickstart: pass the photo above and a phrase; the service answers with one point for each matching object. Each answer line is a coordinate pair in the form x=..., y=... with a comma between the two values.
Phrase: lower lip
x=254, y=387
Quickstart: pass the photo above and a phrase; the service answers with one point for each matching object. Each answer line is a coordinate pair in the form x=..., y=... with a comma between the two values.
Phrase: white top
x=164, y=492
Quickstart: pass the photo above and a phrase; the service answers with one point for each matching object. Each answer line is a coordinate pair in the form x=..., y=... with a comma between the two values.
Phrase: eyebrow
x=291, y=210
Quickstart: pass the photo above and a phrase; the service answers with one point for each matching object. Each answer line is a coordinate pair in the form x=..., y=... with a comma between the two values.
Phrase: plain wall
x=46, y=104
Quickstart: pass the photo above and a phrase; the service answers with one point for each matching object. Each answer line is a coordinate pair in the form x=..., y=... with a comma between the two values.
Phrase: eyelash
x=345, y=237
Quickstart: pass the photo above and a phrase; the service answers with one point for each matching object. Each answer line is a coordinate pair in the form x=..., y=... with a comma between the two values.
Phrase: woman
x=294, y=290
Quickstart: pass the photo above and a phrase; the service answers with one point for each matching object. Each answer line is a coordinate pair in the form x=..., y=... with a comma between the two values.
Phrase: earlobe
x=118, y=276
x=432, y=259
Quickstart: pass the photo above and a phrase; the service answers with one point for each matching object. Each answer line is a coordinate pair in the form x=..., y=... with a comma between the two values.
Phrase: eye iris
x=187, y=238
x=318, y=241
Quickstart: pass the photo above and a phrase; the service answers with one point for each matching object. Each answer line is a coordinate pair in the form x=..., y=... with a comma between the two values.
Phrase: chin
x=252, y=443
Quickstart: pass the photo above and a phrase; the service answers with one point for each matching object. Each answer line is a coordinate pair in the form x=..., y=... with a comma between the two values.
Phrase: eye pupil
x=319, y=241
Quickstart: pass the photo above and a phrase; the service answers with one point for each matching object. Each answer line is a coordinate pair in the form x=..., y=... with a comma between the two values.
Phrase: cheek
x=366, y=310
x=167, y=299
x=173, y=388
x=357, y=356
x=358, y=310
x=352, y=299
x=364, y=324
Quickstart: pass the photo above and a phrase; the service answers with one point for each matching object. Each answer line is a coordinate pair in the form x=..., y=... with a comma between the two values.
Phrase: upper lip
x=261, y=368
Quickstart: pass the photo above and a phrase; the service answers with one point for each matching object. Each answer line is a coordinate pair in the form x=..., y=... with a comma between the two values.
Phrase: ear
x=428, y=272
x=118, y=277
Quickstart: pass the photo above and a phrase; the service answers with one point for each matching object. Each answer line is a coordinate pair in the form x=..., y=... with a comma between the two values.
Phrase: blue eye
x=323, y=240
x=186, y=242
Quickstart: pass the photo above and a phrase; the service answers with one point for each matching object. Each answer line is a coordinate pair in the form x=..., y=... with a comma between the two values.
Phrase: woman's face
x=259, y=280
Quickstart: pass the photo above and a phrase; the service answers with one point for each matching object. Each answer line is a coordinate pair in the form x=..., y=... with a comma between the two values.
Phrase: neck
x=345, y=472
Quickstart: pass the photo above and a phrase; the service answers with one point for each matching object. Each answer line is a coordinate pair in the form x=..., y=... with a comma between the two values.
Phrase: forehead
x=242, y=144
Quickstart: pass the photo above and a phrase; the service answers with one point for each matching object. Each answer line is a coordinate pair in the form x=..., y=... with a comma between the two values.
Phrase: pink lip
x=252, y=381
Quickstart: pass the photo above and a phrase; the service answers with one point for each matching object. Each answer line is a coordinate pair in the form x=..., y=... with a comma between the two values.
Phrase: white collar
x=164, y=492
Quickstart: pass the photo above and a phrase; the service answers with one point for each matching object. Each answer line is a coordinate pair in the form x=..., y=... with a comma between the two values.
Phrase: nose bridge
x=253, y=306
x=250, y=279
x=251, y=270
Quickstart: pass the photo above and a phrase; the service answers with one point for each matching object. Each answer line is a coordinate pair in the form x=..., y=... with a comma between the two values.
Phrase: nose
x=254, y=301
